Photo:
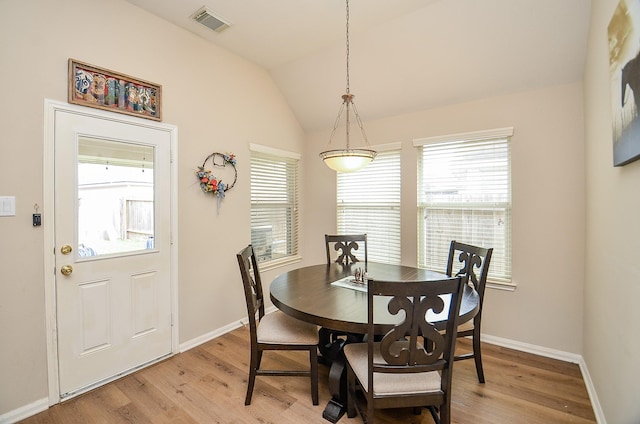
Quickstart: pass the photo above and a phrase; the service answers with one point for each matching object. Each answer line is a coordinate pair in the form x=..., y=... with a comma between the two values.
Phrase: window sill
x=501, y=286
x=278, y=263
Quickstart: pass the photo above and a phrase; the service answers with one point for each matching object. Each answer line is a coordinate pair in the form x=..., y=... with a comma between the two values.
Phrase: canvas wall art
x=624, y=66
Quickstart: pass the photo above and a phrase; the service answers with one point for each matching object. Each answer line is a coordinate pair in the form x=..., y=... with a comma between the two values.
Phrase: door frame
x=48, y=224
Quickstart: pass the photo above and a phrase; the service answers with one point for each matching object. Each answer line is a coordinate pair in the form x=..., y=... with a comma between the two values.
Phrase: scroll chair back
x=472, y=263
x=345, y=244
x=411, y=365
x=274, y=331
x=331, y=341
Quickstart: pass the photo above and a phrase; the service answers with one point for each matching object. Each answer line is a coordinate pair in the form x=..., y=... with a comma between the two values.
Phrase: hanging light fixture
x=348, y=159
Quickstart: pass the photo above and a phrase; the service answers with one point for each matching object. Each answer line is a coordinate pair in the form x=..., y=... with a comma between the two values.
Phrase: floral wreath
x=209, y=183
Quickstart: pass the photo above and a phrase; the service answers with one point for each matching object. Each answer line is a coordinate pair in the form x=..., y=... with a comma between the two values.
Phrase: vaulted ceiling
x=405, y=55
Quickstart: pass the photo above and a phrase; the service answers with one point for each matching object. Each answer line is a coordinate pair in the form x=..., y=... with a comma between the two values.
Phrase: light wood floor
x=207, y=384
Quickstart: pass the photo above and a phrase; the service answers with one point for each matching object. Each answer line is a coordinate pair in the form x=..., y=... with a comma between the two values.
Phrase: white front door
x=112, y=247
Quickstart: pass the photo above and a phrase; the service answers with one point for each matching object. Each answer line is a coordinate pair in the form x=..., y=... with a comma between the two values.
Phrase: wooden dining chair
x=274, y=331
x=472, y=263
x=331, y=341
x=345, y=244
x=399, y=371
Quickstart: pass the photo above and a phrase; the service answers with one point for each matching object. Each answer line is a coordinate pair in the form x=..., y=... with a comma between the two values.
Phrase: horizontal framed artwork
x=109, y=90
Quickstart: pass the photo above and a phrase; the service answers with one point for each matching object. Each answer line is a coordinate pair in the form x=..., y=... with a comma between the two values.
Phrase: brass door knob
x=66, y=249
x=66, y=269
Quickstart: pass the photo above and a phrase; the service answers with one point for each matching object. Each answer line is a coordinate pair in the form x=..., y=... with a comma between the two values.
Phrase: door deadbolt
x=66, y=249
x=66, y=269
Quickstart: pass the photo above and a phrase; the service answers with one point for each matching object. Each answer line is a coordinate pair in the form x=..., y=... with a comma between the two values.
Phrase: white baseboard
x=42, y=404
x=209, y=336
x=597, y=409
x=530, y=348
x=218, y=332
x=25, y=411
x=555, y=354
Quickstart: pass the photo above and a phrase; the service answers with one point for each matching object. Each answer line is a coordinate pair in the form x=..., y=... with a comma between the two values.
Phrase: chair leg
x=313, y=359
x=259, y=359
x=477, y=356
x=434, y=414
x=250, y=383
x=351, y=393
x=370, y=410
x=445, y=413
x=254, y=364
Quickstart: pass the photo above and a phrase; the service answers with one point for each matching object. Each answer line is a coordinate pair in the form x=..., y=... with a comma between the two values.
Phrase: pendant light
x=348, y=159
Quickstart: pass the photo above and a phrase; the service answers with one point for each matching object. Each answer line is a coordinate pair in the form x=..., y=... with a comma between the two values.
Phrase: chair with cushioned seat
x=331, y=341
x=345, y=244
x=472, y=263
x=411, y=365
x=274, y=331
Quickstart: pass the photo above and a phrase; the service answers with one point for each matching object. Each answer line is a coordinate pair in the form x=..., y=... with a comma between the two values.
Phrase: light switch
x=7, y=206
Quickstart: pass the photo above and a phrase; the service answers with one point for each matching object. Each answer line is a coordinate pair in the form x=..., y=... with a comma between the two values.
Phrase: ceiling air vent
x=211, y=21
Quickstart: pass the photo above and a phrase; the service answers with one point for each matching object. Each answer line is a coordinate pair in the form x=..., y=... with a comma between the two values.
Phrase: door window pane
x=115, y=197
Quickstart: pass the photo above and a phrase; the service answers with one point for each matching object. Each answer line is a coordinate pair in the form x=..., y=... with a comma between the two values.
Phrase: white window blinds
x=464, y=194
x=274, y=203
x=369, y=202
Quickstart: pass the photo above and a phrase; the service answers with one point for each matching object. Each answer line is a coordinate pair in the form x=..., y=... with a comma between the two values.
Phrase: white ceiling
x=405, y=55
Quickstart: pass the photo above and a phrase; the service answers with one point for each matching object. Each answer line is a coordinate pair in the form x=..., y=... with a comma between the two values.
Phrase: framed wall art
x=105, y=89
x=624, y=67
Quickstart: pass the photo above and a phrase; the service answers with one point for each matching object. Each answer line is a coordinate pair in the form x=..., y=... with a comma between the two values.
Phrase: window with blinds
x=369, y=202
x=464, y=194
x=274, y=203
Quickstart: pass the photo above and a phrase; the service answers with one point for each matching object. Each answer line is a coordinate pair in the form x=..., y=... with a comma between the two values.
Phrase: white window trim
x=280, y=262
x=273, y=151
x=506, y=132
x=387, y=147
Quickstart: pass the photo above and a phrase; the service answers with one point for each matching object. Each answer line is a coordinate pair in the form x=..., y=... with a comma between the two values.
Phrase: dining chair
x=472, y=263
x=274, y=331
x=331, y=341
x=345, y=244
x=411, y=365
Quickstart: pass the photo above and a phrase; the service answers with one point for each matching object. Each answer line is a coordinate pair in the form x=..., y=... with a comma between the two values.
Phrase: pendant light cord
x=347, y=46
x=348, y=104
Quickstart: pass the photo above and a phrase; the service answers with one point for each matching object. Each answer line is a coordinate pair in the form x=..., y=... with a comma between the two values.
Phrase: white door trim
x=48, y=224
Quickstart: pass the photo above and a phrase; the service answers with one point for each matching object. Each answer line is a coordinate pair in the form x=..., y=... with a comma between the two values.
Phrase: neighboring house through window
x=274, y=203
x=368, y=201
x=464, y=194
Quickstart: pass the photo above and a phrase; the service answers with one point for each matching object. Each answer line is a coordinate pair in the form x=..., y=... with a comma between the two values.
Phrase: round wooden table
x=308, y=294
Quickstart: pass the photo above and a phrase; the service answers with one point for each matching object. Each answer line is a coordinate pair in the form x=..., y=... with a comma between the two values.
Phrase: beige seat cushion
x=279, y=328
x=389, y=384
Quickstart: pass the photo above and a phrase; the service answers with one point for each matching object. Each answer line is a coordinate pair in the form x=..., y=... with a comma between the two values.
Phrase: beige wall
x=548, y=205
x=218, y=101
x=612, y=283
x=222, y=103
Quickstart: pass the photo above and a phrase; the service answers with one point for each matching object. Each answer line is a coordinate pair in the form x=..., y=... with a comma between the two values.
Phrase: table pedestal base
x=332, y=351
x=333, y=411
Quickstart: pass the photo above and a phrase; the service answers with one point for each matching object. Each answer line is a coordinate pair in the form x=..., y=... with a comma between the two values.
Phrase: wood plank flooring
x=207, y=384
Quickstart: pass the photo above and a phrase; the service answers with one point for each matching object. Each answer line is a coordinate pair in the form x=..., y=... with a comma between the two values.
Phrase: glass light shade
x=349, y=160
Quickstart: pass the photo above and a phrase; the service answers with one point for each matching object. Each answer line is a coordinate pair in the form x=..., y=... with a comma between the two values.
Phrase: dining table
x=329, y=296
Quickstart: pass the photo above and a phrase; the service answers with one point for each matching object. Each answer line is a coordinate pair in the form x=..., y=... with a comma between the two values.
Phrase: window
x=464, y=194
x=274, y=203
x=369, y=202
